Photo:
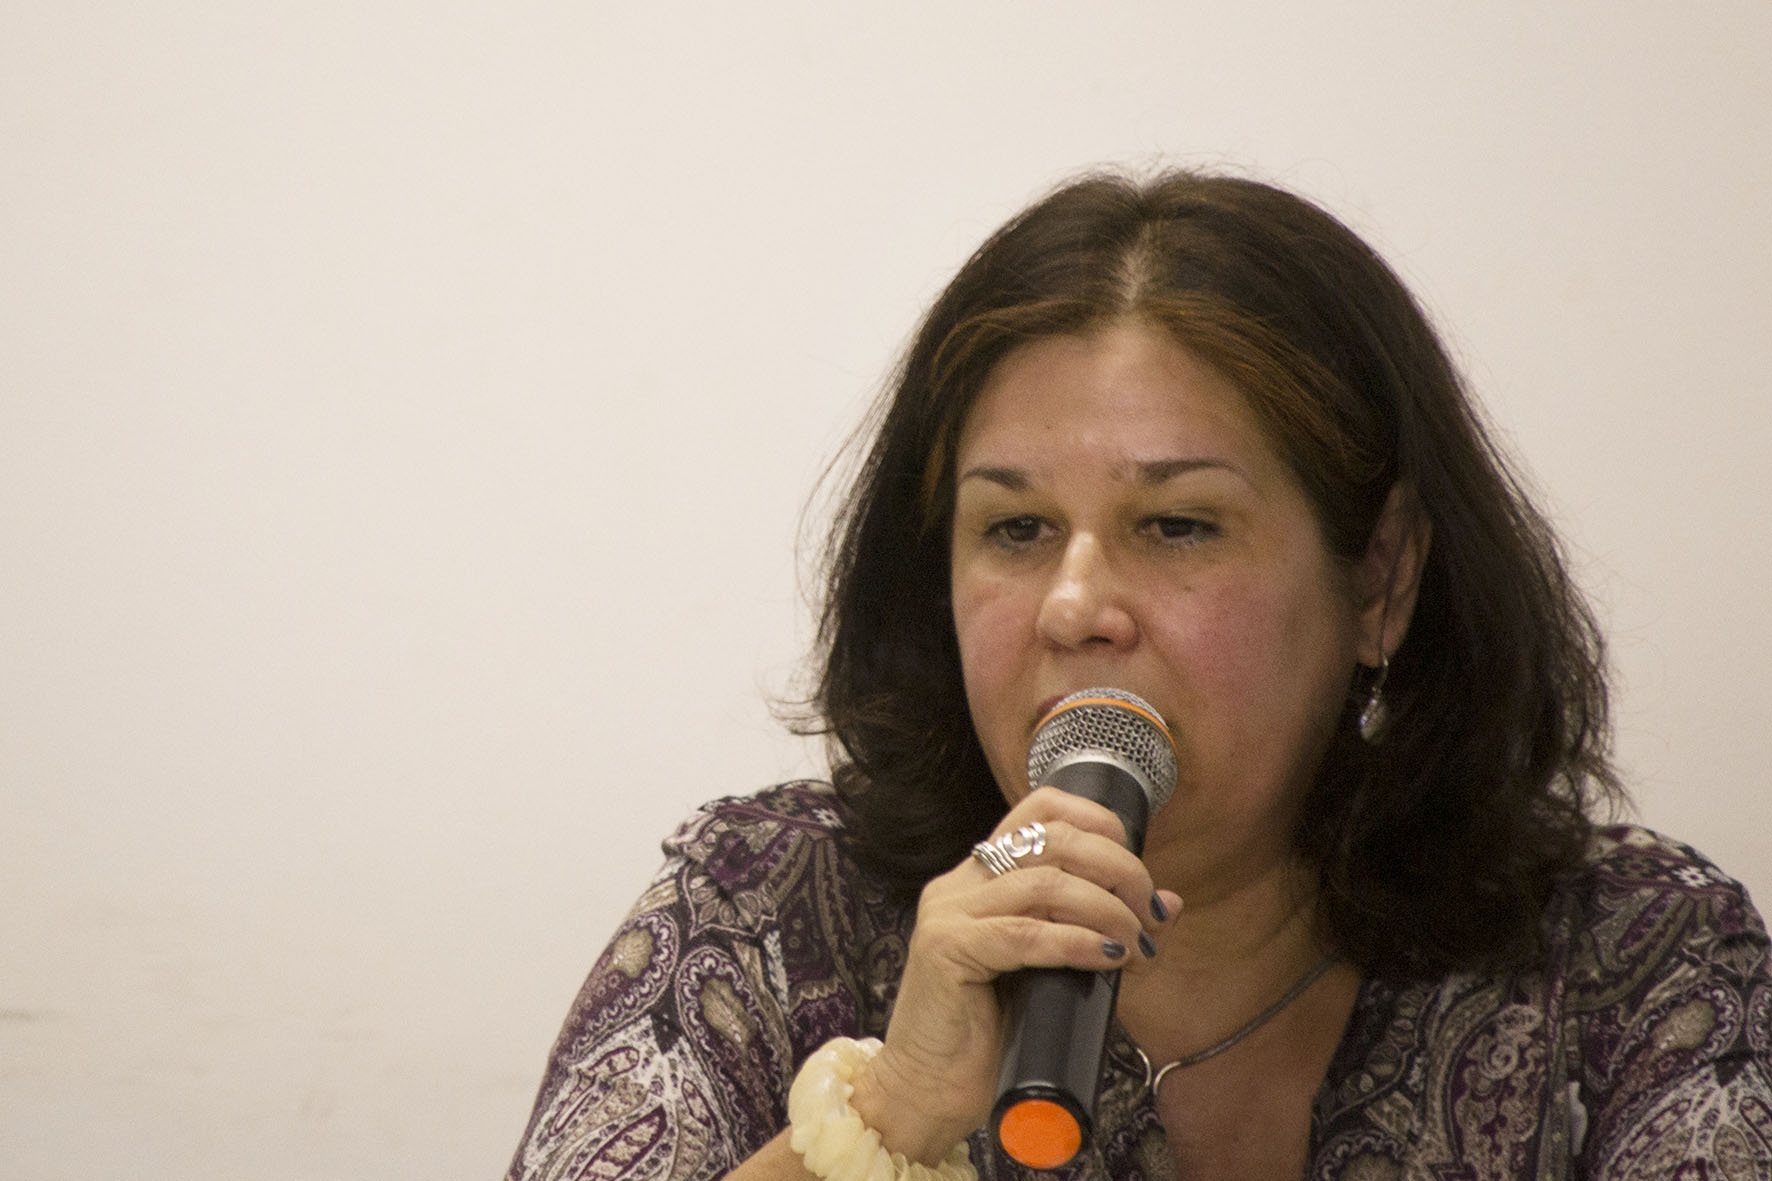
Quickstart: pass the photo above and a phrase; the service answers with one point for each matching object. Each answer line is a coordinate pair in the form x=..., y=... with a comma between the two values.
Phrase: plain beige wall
x=406, y=412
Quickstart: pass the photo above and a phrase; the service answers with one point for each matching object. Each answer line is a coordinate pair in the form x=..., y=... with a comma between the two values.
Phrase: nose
x=1084, y=606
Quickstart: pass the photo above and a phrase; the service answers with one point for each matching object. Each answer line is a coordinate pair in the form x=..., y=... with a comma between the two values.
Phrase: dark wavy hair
x=1435, y=848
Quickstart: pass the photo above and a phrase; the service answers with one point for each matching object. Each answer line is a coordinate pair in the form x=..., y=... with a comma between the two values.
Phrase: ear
x=1387, y=578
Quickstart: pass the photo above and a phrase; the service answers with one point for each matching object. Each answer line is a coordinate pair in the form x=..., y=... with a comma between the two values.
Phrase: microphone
x=1108, y=746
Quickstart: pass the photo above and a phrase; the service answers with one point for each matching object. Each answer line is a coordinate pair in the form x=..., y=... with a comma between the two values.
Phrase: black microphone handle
x=1099, y=776
x=1057, y=1018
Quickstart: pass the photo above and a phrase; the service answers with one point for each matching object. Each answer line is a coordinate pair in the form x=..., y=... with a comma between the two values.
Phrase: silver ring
x=1005, y=853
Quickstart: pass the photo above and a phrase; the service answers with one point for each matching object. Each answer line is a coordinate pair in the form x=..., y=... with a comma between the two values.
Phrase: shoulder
x=765, y=841
x=676, y=1057
x=1646, y=928
x=1642, y=899
x=1630, y=855
x=1648, y=1018
x=798, y=812
x=1667, y=976
x=781, y=856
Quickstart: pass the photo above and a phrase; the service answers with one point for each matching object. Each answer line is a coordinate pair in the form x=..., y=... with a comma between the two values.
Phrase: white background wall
x=407, y=409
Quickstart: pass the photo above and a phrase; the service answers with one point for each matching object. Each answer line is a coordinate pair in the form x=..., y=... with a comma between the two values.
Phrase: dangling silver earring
x=1375, y=714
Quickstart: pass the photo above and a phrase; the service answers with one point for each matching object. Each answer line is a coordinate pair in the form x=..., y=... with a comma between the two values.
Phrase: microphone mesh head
x=1110, y=720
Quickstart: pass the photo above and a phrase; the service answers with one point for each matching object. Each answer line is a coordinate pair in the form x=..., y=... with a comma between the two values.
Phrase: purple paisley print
x=1641, y=1050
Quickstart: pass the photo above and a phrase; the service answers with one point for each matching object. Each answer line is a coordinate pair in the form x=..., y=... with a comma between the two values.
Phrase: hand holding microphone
x=1111, y=747
x=978, y=1037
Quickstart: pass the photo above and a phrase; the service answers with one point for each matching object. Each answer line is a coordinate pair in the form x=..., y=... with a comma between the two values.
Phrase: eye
x=1015, y=532
x=1179, y=530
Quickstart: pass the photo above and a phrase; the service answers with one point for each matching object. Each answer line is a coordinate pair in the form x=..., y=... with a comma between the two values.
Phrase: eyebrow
x=1156, y=471
x=1148, y=472
x=1012, y=478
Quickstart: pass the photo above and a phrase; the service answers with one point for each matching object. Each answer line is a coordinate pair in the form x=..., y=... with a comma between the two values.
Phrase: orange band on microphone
x=1039, y=1133
x=1066, y=707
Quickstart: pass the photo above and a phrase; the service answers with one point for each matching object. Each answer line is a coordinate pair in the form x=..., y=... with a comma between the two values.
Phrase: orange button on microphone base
x=1039, y=1133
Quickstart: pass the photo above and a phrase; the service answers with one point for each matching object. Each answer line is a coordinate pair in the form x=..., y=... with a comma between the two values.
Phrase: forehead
x=1128, y=396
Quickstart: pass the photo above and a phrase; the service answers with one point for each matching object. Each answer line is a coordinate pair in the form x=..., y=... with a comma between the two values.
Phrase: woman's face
x=1120, y=520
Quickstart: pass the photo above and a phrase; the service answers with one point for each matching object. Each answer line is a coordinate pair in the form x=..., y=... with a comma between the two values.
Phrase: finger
x=987, y=928
x=1088, y=854
x=1026, y=918
x=1050, y=804
x=1014, y=942
x=1009, y=943
x=1165, y=905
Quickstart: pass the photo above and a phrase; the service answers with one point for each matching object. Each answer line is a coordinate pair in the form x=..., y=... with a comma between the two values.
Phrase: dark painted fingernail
x=1158, y=910
x=1147, y=946
x=1113, y=950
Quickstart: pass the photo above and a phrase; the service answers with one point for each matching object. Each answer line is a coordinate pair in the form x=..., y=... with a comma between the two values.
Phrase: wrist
x=835, y=1141
x=893, y=1104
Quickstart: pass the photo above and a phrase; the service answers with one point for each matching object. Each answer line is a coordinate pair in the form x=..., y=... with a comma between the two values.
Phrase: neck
x=1230, y=954
x=1244, y=915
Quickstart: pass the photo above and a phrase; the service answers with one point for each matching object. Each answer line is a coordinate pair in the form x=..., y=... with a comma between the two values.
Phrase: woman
x=1191, y=439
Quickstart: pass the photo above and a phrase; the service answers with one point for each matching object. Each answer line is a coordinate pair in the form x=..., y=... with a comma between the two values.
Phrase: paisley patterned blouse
x=1642, y=1050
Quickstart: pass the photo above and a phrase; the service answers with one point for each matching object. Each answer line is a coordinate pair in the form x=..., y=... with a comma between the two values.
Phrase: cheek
x=992, y=627
x=1251, y=644
x=993, y=619
x=977, y=617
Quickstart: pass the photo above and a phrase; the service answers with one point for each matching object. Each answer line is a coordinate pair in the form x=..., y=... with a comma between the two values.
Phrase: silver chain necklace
x=1154, y=1080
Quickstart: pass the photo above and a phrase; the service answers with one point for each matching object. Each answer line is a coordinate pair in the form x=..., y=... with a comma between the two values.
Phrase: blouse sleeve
x=675, y=1059
x=1679, y=1044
